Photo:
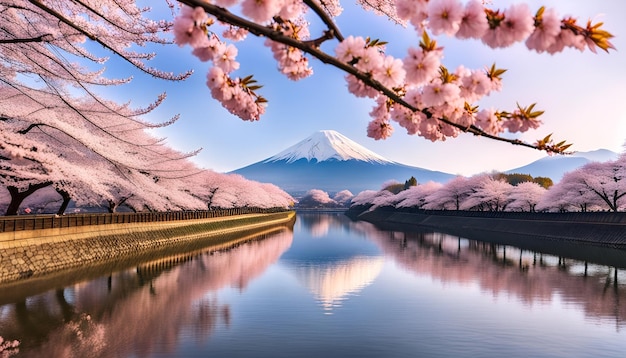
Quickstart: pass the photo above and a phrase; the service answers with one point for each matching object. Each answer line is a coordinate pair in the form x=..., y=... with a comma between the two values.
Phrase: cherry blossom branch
x=332, y=27
x=25, y=40
x=93, y=37
x=226, y=16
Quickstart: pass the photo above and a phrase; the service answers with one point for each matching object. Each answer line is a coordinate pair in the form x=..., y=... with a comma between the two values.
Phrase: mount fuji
x=330, y=161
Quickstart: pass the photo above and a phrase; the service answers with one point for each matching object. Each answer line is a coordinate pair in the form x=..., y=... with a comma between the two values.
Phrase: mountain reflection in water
x=338, y=288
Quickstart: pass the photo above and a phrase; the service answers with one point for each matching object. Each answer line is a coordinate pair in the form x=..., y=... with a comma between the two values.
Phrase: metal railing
x=35, y=222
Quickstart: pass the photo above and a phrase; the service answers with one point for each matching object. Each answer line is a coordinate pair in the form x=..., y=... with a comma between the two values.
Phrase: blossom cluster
x=291, y=61
x=236, y=95
x=427, y=86
x=190, y=28
x=544, y=31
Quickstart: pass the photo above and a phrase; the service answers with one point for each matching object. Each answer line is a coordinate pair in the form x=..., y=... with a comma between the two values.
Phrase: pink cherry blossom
x=437, y=93
x=235, y=33
x=291, y=61
x=359, y=88
x=567, y=38
x=421, y=66
x=518, y=24
x=405, y=9
x=519, y=123
x=292, y=9
x=217, y=81
x=209, y=48
x=546, y=32
x=475, y=85
x=429, y=129
x=350, y=48
x=225, y=58
x=371, y=60
x=487, y=120
x=391, y=74
x=414, y=97
x=379, y=129
x=261, y=10
x=225, y=3
x=466, y=118
x=413, y=10
x=444, y=16
x=474, y=22
x=188, y=26
x=407, y=119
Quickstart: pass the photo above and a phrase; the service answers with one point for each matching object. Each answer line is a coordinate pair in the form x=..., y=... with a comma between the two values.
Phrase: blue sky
x=582, y=94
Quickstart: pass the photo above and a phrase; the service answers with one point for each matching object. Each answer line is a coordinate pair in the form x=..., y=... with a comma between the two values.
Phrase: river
x=332, y=287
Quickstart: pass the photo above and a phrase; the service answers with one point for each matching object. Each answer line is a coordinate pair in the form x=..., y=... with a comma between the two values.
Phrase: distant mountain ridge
x=330, y=161
x=554, y=167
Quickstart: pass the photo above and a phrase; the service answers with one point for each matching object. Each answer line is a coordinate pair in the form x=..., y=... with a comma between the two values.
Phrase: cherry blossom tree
x=418, y=92
x=491, y=195
x=316, y=198
x=234, y=191
x=417, y=196
x=569, y=195
x=86, y=152
x=364, y=198
x=605, y=181
x=48, y=104
x=525, y=196
x=343, y=197
x=453, y=193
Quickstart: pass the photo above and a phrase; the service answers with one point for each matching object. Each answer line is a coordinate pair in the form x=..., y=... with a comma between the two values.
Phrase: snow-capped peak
x=328, y=145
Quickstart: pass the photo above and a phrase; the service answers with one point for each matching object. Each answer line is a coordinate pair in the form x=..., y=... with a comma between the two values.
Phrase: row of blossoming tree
x=592, y=187
x=61, y=141
x=101, y=154
x=59, y=132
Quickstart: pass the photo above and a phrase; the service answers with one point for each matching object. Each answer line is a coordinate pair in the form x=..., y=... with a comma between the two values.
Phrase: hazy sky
x=582, y=94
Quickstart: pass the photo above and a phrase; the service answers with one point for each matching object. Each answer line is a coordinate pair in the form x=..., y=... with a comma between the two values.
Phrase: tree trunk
x=18, y=197
x=111, y=207
x=66, y=201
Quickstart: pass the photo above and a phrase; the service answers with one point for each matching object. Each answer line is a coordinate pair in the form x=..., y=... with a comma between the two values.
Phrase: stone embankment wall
x=605, y=229
x=34, y=253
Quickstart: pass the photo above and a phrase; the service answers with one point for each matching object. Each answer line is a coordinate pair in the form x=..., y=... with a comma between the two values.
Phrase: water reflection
x=334, y=287
x=139, y=311
x=332, y=283
x=335, y=264
x=531, y=277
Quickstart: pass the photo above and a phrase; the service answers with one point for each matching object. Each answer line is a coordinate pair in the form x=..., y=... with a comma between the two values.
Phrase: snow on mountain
x=328, y=145
x=331, y=162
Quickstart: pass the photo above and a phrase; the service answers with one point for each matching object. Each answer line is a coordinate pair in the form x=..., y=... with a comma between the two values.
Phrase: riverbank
x=602, y=229
x=37, y=253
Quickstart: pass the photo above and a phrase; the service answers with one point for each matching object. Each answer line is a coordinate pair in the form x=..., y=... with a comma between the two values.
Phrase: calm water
x=333, y=288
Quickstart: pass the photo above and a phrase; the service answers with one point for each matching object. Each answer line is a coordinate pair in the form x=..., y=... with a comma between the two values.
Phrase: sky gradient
x=581, y=94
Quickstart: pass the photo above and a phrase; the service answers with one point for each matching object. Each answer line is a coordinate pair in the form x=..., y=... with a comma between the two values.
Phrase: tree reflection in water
x=532, y=277
x=136, y=311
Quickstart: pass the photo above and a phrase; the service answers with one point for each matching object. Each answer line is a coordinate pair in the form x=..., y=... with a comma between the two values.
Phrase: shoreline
x=49, y=251
x=600, y=229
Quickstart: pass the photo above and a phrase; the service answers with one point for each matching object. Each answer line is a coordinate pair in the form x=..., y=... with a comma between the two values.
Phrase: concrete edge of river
x=36, y=254
x=533, y=227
